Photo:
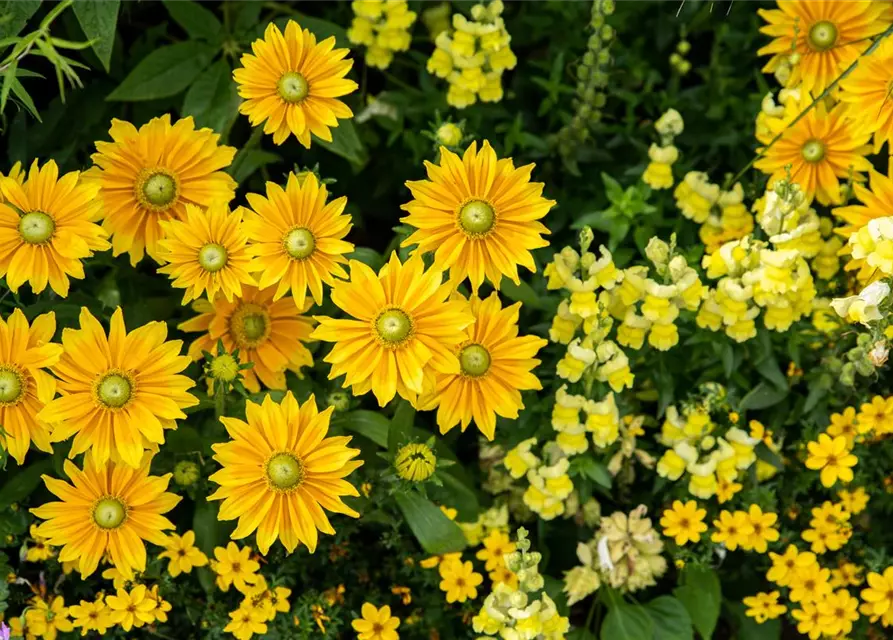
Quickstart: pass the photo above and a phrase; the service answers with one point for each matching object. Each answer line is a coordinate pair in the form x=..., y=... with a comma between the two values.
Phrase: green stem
x=591, y=614
x=809, y=108
x=219, y=403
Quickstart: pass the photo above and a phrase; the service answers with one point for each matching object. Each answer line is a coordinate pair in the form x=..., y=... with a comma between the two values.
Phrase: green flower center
x=249, y=325
x=114, y=391
x=255, y=326
x=813, y=150
x=474, y=360
x=292, y=87
x=822, y=35
x=393, y=326
x=160, y=189
x=36, y=227
x=299, y=243
x=285, y=471
x=10, y=386
x=109, y=513
x=212, y=257
x=477, y=218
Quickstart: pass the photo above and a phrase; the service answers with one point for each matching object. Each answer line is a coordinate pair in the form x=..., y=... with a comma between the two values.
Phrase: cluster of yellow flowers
x=722, y=215
x=383, y=27
x=592, y=357
x=524, y=610
x=625, y=553
x=474, y=56
x=659, y=172
x=602, y=421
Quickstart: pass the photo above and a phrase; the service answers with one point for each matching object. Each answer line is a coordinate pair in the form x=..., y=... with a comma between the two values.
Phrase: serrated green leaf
x=213, y=100
x=435, y=532
x=165, y=72
x=98, y=19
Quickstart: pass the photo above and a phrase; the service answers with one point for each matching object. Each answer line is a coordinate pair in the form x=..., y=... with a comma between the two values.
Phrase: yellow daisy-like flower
x=183, y=554
x=833, y=457
x=297, y=238
x=206, y=252
x=234, y=566
x=150, y=174
x=402, y=326
x=47, y=226
x=821, y=149
x=47, y=618
x=375, y=623
x=684, y=522
x=109, y=508
x=292, y=84
x=867, y=92
x=119, y=393
x=267, y=333
x=280, y=472
x=459, y=580
x=495, y=366
x=478, y=214
x=876, y=202
x=827, y=34
x=131, y=609
x=246, y=622
x=25, y=387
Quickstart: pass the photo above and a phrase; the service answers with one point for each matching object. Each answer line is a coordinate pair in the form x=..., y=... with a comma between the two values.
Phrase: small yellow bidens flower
x=786, y=567
x=206, y=252
x=46, y=618
x=292, y=84
x=415, y=462
x=234, y=566
x=297, y=238
x=375, y=623
x=48, y=225
x=183, y=554
x=764, y=606
x=764, y=532
x=496, y=545
x=854, y=501
x=91, y=616
x=246, y=622
x=459, y=580
x=684, y=522
x=732, y=529
x=878, y=597
x=131, y=609
x=833, y=457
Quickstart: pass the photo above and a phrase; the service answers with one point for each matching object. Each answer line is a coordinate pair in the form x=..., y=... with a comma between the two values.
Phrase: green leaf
x=14, y=15
x=367, y=256
x=165, y=72
x=435, y=532
x=401, y=426
x=701, y=596
x=627, y=622
x=98, y=19
x=595, y=471
x=23, y=482
x=247, y=161
x=185, y=440
x=347, y=144
x=208, y=532
x=198, y=22
x=762, y=396
x=456, y=494
x=18, y=90
x=522, y=293
x=369, y=424
x=12, y=523
x=8, y=78
x=213, y=99
x=766, y=364
x=671, y=620
x=4, y=596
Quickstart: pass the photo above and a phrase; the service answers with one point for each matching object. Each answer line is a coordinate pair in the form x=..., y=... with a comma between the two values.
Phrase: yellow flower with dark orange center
x=150, y=174
x=280, y=472
x=402, y=329
x=827, y=34
x=25, y=387
x=297, y=238
x=119, y=393
x=292, y=84
x=820, y=150
x=107, y=509
x=270, y=334
x=206, y=252
x=478, y=214
x=47, y=226
x=495, y=366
